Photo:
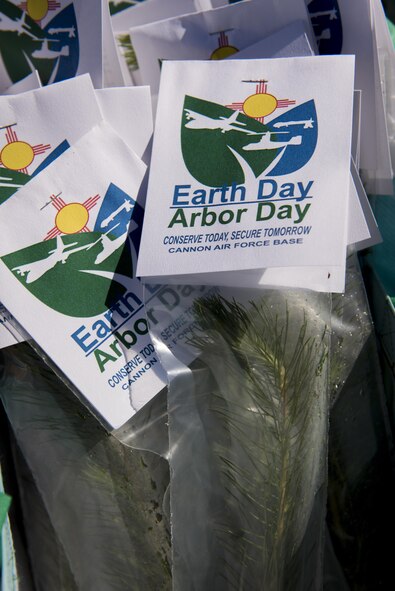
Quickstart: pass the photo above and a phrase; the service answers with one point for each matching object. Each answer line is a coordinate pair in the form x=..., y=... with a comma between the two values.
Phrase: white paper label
x=67, y=275
x=58, y=38
x=250, y=166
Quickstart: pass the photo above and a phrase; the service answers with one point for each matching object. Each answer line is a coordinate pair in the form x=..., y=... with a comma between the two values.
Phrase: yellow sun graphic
x=71, y=218
x=38, y=9
x=222, y=53
x=260, y=104
x=224, y=49
x=17, y=154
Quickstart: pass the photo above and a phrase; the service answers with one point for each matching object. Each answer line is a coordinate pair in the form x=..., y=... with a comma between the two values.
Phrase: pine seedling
x=269, y=364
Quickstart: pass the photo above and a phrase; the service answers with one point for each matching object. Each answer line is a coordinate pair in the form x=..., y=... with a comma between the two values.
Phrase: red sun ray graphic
x=224, y=48
x=261, y=104
x=70, y=218
x=16, y=154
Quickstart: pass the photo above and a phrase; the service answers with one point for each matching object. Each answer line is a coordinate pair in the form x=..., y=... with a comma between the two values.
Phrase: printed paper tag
x=67, y=274
x=250, y=166
x=213, y=34
x=340, y=27
x=36, y=127
x=141, y=14
x=291, y=41
x=58, y=38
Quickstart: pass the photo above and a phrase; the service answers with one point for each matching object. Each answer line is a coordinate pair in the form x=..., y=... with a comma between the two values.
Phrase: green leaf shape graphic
x=206, y=152
x=65, y=287
x=10, y=182
x=16, y=46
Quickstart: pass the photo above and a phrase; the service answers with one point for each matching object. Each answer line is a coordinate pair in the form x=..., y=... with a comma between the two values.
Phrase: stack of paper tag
x=211, y=34
x=155, y=31
x=57, y=39
x=254, y=178
x=69, y=238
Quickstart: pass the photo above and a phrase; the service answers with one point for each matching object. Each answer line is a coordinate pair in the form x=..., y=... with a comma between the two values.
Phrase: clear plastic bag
x=105, y=527
x=248, y=423
x=82, y=483
x=360, y=512
x=351, y=324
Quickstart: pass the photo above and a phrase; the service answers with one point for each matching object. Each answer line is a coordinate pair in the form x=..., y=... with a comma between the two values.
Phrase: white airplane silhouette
x=18, y=26
x=109, y=246
x=307, y=123
x=199, y=121
x=125, y=206
x=331, y=13
x=6, y=181
x=266, y=143
x=35, y=270
x=46, y=53
x=69, y=30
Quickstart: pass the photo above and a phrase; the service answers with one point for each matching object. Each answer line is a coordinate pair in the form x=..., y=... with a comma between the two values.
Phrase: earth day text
x=269, y=193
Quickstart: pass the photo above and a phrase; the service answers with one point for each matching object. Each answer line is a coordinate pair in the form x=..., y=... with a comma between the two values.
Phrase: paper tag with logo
x=340, y=27
x=58, y=38
x=250, y=166
x=60, y=114
x=362, y=227
x=137, y=15
x=67, y=275
x=213, y=34
x=291, y=41
x=36, y=127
